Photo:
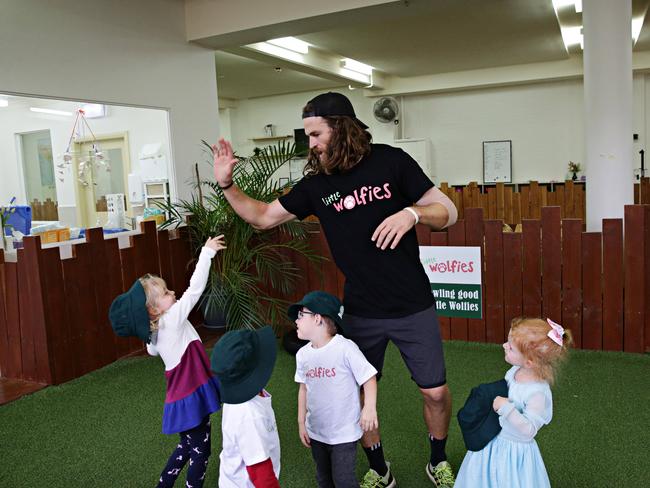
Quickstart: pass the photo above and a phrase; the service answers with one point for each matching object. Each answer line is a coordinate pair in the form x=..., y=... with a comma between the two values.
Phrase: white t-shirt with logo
x=250, y=436
x=333, y=374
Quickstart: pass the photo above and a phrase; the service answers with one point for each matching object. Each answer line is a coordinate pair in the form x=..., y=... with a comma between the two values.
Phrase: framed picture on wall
x=497, y=162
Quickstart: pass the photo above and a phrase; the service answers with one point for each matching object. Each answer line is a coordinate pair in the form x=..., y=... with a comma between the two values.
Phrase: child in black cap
x=330, y=370
x=151, y=312
x=243, y=361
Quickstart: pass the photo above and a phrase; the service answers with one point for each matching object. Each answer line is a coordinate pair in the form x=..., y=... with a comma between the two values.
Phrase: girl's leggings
x=193, y=446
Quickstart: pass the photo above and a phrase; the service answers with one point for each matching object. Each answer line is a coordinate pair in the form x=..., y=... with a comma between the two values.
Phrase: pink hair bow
x=556, y=332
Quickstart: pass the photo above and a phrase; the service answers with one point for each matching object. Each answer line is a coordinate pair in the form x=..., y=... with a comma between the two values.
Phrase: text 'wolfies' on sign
x=455, y=277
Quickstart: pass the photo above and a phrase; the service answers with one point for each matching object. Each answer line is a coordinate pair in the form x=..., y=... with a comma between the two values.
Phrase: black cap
x=332, y=104
x=322, y=303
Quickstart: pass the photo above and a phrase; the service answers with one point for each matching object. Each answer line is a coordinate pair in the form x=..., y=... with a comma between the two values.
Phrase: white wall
x=115, y=51
x=543, y=120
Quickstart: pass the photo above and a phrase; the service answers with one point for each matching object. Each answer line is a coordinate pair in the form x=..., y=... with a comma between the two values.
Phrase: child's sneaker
x=373, y=480
x=441, y=476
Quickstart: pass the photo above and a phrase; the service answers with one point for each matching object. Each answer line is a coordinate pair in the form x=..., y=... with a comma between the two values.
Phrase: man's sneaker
x=373, y=480
x=441, y=476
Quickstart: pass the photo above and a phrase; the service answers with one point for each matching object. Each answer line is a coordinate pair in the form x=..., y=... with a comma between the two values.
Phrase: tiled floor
x=13, y=389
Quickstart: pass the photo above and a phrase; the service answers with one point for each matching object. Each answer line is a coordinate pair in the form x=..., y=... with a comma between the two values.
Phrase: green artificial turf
x=103, y=430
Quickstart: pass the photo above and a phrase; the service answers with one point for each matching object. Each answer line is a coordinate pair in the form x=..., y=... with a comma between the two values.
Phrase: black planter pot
x=213, y=317
x=291, y=343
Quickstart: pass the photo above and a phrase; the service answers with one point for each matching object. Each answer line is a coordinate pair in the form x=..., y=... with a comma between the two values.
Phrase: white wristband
x=415, y=214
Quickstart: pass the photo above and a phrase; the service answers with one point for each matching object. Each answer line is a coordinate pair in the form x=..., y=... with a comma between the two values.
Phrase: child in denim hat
x=330, y=370
x=151, y=312
x=250, y=456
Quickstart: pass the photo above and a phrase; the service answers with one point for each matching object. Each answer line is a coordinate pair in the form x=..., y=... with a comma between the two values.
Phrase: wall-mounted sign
x=455, y=277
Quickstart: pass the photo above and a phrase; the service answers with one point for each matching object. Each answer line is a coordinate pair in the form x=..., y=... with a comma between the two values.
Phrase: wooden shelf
x=274, y=138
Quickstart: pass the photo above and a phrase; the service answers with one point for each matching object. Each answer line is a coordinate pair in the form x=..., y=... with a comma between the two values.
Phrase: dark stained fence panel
x=572, y=278
x=592, y=303
x=613, y=284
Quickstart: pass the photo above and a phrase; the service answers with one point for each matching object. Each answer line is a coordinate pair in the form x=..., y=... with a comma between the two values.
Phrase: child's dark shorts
x=416, y=336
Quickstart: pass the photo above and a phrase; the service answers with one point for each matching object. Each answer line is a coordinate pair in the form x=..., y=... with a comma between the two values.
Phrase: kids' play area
x=516, y=183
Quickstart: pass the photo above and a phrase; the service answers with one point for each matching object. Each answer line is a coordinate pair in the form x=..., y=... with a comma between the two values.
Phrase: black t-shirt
x=379, y=284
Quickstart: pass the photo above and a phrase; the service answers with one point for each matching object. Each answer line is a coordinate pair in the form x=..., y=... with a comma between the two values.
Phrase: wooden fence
x=595, y=283
x=54, y=312
x=514, y=203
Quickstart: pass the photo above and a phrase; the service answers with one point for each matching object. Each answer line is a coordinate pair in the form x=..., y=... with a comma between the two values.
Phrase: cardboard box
x=49, y=236
x=159, y=219
x=63, y=234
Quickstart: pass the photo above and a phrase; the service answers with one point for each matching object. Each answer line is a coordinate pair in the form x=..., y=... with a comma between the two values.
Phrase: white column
x=608, y=108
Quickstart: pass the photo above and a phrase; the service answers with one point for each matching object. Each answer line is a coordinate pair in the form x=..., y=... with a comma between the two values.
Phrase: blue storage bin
x=20, y=220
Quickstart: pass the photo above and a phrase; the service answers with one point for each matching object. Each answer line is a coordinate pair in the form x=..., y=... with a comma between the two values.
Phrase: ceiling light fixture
x=355, y=75
x=637, y=23
x=353, y=65
x=291, y=43
x=278, y=51
x=94, y=110
x=50, y=111
x=558, y=4
x=4, y=102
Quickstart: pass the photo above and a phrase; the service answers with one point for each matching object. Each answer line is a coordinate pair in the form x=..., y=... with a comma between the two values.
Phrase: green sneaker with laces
x=441, y=476
x=373, y=480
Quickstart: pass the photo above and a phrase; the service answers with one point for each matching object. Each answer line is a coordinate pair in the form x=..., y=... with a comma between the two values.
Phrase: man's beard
x=319, y=155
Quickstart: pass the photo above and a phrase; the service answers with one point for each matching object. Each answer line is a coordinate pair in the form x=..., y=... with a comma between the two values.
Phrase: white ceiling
x=421, y=37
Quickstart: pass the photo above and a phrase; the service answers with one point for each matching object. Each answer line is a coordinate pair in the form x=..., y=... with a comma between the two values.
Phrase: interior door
x=97, y=178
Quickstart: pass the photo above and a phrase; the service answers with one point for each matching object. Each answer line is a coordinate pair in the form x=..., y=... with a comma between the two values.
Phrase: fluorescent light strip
x=278, y=51
x=291, y=43
x=572, y=36
x=4, y=102
x=49, y=111
x=558, y=4
x=355, y=75
x=354, y=65
x=637, y=23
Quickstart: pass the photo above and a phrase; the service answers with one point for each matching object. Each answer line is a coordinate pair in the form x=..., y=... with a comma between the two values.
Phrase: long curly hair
x=530, y=335
x=348, y=144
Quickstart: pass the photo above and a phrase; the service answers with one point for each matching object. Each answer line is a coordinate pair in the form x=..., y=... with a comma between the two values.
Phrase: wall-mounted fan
x=386, y=110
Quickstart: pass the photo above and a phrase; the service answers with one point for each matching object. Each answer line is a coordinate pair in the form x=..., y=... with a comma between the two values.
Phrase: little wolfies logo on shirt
x=320, y=372
x=360, y=196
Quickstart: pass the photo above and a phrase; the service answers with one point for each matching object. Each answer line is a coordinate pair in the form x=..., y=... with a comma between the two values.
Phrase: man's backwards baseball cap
x=331, y=104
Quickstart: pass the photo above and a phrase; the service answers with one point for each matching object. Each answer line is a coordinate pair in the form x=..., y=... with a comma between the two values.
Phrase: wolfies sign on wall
x=455, y=277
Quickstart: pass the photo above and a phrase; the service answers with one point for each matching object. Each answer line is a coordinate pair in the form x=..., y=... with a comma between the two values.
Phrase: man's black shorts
x=416, y=336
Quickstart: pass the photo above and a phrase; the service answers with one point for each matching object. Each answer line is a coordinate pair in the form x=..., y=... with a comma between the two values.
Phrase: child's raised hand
x=216, y=243
x=304, y=436
x=368, y=420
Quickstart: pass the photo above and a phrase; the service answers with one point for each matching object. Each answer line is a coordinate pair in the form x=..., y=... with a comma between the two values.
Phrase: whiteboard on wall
x=497, y=162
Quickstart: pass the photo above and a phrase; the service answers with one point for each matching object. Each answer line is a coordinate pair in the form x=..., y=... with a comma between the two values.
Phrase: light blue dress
x=512, y=459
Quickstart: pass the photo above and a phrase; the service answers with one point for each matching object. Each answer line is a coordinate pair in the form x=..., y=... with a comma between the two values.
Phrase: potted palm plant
x=248, y=277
